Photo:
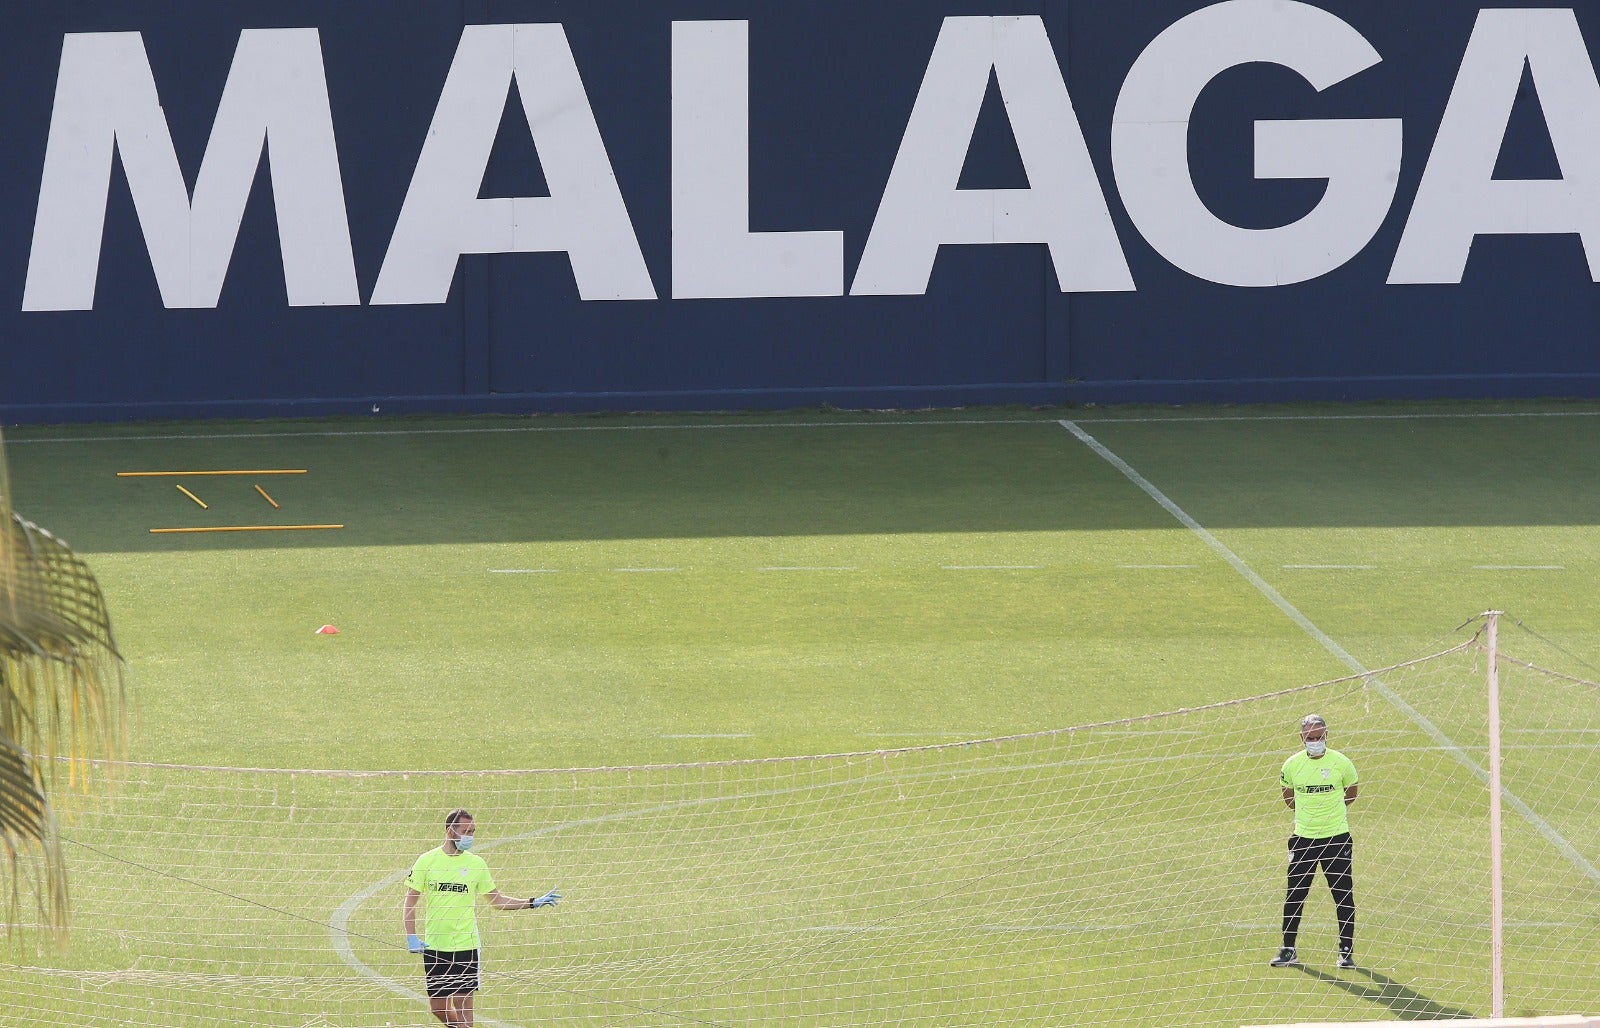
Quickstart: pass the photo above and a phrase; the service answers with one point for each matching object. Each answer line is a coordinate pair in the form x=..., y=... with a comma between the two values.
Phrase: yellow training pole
x=269, y=499
x=243, y=528
x=193, y=497
x=176, y=474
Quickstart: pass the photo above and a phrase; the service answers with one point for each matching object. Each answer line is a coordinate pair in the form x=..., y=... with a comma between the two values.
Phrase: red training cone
x=327, y=630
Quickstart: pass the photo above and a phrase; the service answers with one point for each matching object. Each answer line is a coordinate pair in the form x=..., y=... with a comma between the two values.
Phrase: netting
x=1128, y=873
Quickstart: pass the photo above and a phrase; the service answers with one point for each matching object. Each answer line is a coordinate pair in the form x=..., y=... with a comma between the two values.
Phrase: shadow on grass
x=1407, y=1004
x=510, y=480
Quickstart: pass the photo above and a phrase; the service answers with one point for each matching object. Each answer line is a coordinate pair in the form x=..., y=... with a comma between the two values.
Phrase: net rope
x=1121, y=873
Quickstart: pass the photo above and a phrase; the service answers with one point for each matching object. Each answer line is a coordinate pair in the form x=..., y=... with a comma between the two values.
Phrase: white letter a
x=1459, y=197
x=922, y=208
x=443, y=217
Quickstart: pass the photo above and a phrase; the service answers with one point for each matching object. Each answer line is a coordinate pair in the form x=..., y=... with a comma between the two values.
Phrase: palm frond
x=62, y=696
x=34, y=869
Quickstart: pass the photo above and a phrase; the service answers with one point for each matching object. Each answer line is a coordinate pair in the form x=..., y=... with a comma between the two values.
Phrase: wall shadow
x=467, y=480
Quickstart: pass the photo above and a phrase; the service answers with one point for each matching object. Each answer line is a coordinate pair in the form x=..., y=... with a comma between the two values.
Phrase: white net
x=1129, y=873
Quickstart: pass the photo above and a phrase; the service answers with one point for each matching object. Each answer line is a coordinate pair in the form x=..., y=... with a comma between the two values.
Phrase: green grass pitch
x=617, y=591
x=620, y=589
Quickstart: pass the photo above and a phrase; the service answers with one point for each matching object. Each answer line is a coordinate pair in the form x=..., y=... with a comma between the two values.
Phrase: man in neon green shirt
x=446, y=882
x=1318, y=784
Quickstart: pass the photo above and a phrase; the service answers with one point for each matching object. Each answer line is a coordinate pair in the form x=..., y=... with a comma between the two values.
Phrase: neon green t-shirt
x=1319, y=787
x=450, y=887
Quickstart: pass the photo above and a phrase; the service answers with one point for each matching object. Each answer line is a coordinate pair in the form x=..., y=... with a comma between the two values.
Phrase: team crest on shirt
x=1325, y=773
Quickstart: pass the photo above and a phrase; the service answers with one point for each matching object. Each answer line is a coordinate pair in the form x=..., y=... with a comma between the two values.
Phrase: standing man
x=448, y=881
x=1318, y=784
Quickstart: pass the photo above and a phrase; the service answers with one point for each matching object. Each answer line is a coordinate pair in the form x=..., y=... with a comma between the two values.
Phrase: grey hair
x=1312, y=721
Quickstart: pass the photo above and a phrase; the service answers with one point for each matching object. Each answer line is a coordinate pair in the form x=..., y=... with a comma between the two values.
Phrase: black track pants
x=1335, y=856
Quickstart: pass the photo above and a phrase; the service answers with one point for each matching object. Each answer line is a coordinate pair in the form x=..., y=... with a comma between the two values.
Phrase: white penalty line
x=1262, y=586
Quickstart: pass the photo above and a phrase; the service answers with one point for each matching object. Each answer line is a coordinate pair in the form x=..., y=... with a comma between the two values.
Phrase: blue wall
x=831, y=87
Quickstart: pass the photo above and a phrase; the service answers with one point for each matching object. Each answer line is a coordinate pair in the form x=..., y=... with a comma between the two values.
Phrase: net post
x=1496, y=870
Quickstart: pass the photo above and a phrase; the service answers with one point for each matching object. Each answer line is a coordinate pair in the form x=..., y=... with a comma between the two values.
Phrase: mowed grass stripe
x=794, y=657
x=219, y=635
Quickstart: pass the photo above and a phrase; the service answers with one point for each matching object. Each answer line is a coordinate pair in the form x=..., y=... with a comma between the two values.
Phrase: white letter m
x=276, y=98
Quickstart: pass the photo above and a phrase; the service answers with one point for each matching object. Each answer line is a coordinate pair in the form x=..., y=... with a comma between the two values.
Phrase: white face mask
x=1313, y=749
x=464, y=843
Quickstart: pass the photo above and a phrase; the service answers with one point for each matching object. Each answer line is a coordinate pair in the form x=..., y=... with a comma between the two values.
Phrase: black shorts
x=450, y=973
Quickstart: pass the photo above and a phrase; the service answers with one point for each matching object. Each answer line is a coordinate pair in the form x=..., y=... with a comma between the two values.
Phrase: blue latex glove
x=413, y=944
x=549, y=899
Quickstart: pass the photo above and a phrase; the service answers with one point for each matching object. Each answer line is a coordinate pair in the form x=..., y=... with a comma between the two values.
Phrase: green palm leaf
x=61, y=703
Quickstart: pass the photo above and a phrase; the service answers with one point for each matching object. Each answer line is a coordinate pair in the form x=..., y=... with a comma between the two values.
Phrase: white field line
x=523, y=571
x=735, y=425
x=1518, y=567
x=526, y=430
x=1330, y=567
x=1262, y=586
x=807, y=568
x=991, y=567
